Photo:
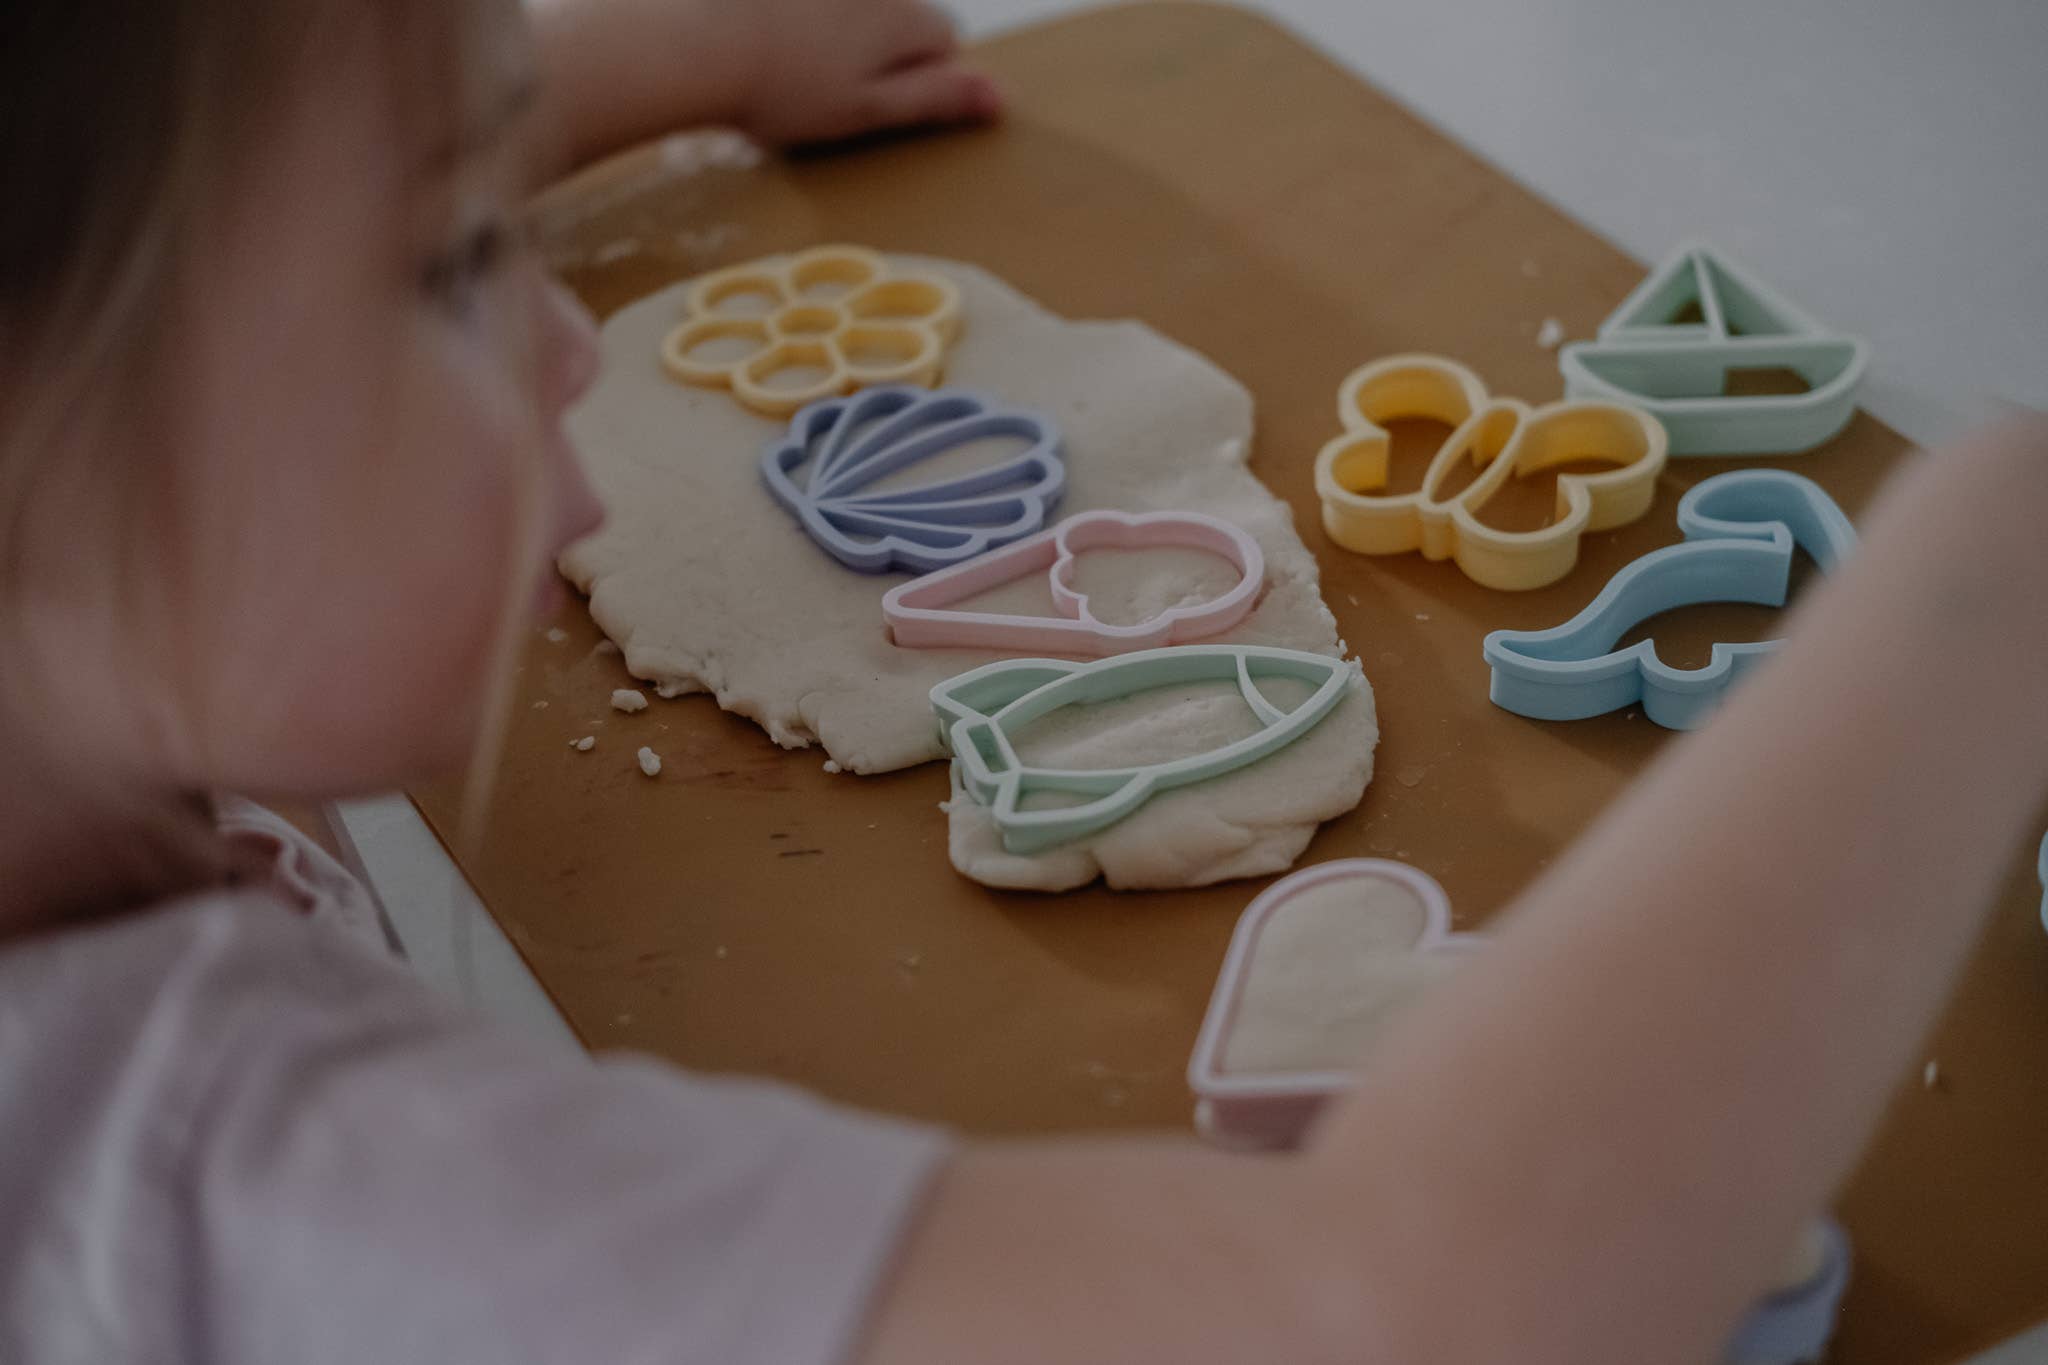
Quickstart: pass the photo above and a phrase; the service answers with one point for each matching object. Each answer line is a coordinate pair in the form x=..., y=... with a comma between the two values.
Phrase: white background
x=1884, y=163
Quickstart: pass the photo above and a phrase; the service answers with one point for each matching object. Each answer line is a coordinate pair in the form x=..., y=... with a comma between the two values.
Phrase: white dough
x=650, y=761
x=1329, y=971
x=708, y=585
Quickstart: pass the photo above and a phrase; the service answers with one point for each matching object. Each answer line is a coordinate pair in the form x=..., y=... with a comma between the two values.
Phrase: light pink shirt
x=234, y=1131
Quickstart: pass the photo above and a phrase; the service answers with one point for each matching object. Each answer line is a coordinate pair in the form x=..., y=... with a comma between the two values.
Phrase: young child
x=280, y=467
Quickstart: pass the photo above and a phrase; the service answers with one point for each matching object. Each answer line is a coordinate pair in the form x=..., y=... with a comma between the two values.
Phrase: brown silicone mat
x=1195, y=167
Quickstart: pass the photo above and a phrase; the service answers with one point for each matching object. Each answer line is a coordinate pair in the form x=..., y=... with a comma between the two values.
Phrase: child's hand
x=784, y=71
x=827, y=69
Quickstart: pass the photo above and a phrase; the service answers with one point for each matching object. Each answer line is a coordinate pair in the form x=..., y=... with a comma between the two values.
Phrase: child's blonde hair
x=122, y=122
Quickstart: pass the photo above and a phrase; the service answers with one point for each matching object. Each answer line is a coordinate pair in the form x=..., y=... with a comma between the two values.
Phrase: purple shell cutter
x=1740, y=531
x=1380, y=932
x=851, y=444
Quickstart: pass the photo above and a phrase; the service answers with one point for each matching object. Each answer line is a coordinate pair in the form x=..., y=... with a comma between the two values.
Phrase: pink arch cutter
x=920, y=614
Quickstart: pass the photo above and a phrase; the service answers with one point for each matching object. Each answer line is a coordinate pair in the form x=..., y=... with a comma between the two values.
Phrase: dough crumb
x=605, y=647
x=584, y=745
x=540, y=706
x=1422, y=616
x=721, y=952
x=556, y=635
x=831, y=767
x=1930, y=1075
x=650, y=761
x=1550, y=335
x=612, y=252
x=1352, y=598
x=705, y=241
x=628, y=699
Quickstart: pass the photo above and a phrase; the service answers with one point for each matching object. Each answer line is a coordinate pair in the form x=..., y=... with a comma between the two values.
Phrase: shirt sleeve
x=369, y=1175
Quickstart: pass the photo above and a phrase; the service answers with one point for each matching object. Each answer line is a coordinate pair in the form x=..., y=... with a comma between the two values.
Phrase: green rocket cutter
x=979, y=712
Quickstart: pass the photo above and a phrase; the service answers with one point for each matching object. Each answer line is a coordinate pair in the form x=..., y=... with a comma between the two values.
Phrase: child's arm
x=784, y=71
x=1597, y=1142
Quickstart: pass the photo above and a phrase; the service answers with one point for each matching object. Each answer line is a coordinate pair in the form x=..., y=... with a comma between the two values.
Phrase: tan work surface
x=1199, y=169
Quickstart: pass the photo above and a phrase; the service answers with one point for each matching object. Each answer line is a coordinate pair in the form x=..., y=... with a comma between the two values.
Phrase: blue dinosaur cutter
x=1740, y=530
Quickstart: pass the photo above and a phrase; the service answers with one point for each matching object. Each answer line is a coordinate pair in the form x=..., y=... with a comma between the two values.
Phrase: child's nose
x=569, y=346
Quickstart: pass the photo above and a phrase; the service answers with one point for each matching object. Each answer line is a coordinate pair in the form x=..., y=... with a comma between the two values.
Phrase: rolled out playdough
x=707, y=584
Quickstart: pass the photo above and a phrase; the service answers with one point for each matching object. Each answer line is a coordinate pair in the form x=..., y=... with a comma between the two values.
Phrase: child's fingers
x=926, y=33
x=947, y=91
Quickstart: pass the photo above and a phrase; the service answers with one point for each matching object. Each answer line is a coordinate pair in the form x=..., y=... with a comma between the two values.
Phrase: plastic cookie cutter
x=980, y=712
x=1505, y=438
x=1673, y=344
x=921, y=615
x=1740, y=530
x=1795, y=1321
x=2041, y=868
x=781, y=333
x=852, y=444
x=1321, y=963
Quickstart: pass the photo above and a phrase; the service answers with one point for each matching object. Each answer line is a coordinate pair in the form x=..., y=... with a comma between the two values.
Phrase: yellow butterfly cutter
x=1506, y=438
x=784, y=332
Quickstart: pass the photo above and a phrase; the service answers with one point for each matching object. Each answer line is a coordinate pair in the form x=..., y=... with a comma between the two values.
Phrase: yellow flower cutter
x=821, y=323
x=1506, y=438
